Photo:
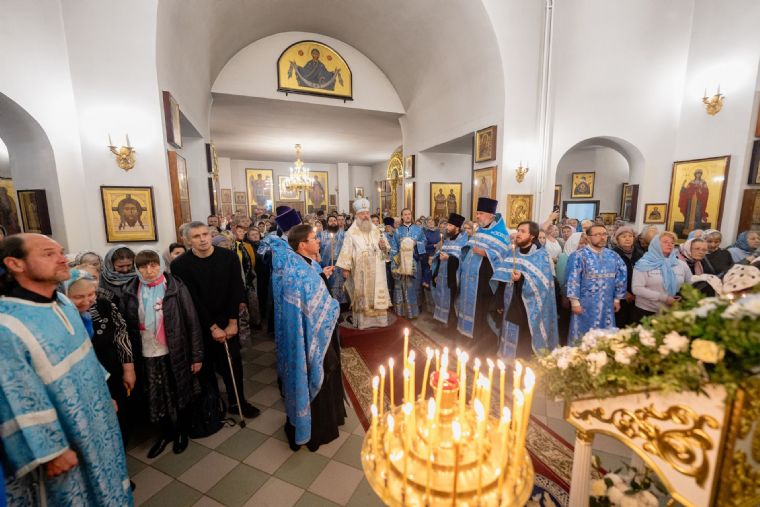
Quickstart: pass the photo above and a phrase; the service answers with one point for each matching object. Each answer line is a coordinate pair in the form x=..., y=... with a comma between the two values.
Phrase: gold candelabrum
x=713, y=104
x=447, y=449
x=125, y=155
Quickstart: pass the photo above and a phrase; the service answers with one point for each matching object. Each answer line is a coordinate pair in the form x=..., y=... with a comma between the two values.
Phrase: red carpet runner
x=364, y=351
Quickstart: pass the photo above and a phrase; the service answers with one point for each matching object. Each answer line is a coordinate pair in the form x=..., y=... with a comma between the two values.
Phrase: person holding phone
x=658, y=276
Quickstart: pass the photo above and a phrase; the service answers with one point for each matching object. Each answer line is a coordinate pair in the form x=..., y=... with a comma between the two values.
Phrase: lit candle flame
x=407, y=408
x=412, y=356
x=391, y=423
x=500, y=364
x=375, y=381
x=431, y=409
x=456, y=430
x=506, y=415
x=382, y=370
x=479, y=410
x=373, y=410
x=530, y=379
x=429, y=352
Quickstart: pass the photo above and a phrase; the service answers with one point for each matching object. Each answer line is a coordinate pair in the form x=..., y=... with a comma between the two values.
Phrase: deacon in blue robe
x=596, y=284
x=488, y=247
x=530, y=307
x=308, y=350
x=407, y=287
x=390, y=232
x=330, y=243
x=445, y=267
x=54, y=399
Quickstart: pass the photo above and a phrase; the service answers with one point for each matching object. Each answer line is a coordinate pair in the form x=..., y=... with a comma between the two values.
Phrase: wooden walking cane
x=234, y=385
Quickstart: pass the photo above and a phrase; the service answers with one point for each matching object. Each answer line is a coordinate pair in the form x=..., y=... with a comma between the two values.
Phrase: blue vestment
x=328, y=257
x=595, y=280
x=276, y=248
x=406, y=288
x=441, y=291
x=54, y=397
x=495, y=241
x=538, y=297
x=308, y=315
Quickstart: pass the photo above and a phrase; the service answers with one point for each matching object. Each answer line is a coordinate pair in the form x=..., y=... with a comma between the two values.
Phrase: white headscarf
x=571, y=245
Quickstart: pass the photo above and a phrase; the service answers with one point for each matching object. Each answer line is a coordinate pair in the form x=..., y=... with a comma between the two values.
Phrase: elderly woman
x=658, y=276
x=694, y=253
x=745, y=246
x=169, y=347
x=719, y=258
x=645, y=237
x=625, y=247
x=550, y=243
x=88, y=258
x=118, y=270
x=110, y=340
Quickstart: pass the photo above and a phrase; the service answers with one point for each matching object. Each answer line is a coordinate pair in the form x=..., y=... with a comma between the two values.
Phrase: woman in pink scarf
x=694, y=253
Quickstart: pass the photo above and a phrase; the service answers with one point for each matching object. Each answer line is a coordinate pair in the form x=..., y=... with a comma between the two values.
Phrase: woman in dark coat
x=719, y=258
x=168, y=345
x=626, y=248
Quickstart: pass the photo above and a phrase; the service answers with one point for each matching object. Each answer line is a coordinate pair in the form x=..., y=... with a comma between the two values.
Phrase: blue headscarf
x=742, y=243
x=76, y=275
x=655, y=259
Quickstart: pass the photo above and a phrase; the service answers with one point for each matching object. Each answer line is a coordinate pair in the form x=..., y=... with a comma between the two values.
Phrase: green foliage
x=695, y=342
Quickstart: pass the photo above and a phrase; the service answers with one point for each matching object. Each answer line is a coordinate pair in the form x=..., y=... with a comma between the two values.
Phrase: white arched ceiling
x=442, y=58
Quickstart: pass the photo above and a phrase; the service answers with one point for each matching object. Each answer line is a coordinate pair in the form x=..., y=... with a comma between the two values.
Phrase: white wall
x=44, y=91
x=618, y=70
x=361, y=176
x=194, y=152
x=252, y=72
x=442, y=168
x=110, y=101
x=725, y=51
x=611, y=172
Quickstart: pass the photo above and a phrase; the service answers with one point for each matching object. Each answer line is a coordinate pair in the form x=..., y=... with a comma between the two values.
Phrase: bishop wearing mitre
x=362, y=258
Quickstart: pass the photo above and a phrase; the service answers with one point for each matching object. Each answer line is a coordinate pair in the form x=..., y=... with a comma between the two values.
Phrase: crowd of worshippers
x=95, y=346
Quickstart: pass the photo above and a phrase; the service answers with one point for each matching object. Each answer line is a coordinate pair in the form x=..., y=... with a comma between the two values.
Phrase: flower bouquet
x=627, y=487
x=698, y=341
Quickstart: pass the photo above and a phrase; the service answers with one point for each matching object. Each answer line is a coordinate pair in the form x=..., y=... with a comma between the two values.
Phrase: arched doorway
x=30, y=166
x=597, y=178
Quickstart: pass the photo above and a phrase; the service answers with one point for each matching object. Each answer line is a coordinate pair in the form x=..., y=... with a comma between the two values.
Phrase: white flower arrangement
x=627, y=487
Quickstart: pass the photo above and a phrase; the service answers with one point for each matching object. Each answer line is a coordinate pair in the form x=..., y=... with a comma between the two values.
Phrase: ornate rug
x=364, y=351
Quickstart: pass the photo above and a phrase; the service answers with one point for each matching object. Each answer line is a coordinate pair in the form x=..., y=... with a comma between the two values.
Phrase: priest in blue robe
x=58, y=427
x=530, y=307
x=330, y=243
x=308, y=352
x=445, y=267
x=596, y=283
x=390, y=232
x=488, y=247
x=407, y=250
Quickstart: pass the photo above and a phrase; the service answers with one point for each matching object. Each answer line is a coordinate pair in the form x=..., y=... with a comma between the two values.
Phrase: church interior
x=120, y=122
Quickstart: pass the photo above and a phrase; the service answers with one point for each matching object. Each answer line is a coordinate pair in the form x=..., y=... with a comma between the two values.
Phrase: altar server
x=407, y=250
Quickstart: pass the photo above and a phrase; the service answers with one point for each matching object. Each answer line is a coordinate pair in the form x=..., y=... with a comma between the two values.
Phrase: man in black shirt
x=212, y=275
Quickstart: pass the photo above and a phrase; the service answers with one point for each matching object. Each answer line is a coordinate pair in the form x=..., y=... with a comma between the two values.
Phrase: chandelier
x=299, y=178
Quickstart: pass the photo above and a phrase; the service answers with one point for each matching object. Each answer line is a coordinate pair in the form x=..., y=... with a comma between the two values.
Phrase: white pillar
x=344, y=190
x=579, y=483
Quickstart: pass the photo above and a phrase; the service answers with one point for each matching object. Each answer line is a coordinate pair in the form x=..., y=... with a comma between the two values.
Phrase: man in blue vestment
x=308, y=351
x=530, y=307
x=488, y=247
x=407, y=249
x=445, y=266
x=330, y=243
x=58, y=426
x=390, y=231
x=596, y=284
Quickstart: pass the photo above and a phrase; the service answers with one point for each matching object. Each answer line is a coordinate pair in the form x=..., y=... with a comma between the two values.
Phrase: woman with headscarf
x=694, y=253
x=745, y=247
x=88, y=258
x=719, y=258
x=118, y=270
x=658, y=276
x=574, y=242
x=110, y=339
x=645, y=237
x=168, y=347
x=625, y=247
x=551, y=245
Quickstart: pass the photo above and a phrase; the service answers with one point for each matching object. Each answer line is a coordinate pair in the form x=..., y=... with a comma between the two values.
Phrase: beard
x=364, y=225
x=332, y=228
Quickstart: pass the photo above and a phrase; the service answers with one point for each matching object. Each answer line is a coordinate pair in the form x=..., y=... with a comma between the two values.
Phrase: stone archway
x=32, y=162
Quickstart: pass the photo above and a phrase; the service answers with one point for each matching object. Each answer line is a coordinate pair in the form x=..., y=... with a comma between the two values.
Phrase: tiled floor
x=254, y=465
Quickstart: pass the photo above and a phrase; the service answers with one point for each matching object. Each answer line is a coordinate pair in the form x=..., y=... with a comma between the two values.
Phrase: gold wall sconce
x=713, y=104
x=125, y=155
x=520, y=172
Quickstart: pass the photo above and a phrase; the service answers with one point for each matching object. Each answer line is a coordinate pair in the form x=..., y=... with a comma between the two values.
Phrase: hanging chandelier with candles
x=299, y=178
x=448, y=449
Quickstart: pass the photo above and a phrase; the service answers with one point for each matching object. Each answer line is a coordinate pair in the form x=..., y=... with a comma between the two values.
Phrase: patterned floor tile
x=269, y=455
x=302, y=468
x=275, y=493
x=263, y=346
x=328, y=450
x=364, y=496
x=175, y=494
x=238, y=486
x=268, y=422
x=149, y=482
x=312, y=500
x=134, y=465
x=177, y=464
x=207, y=502
x=265, y=376
x=241, y=444
x=266, y=359
x=215, y=440
x=336, y=482
x=350, y=452
x=267, y=396
x=208, y=471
